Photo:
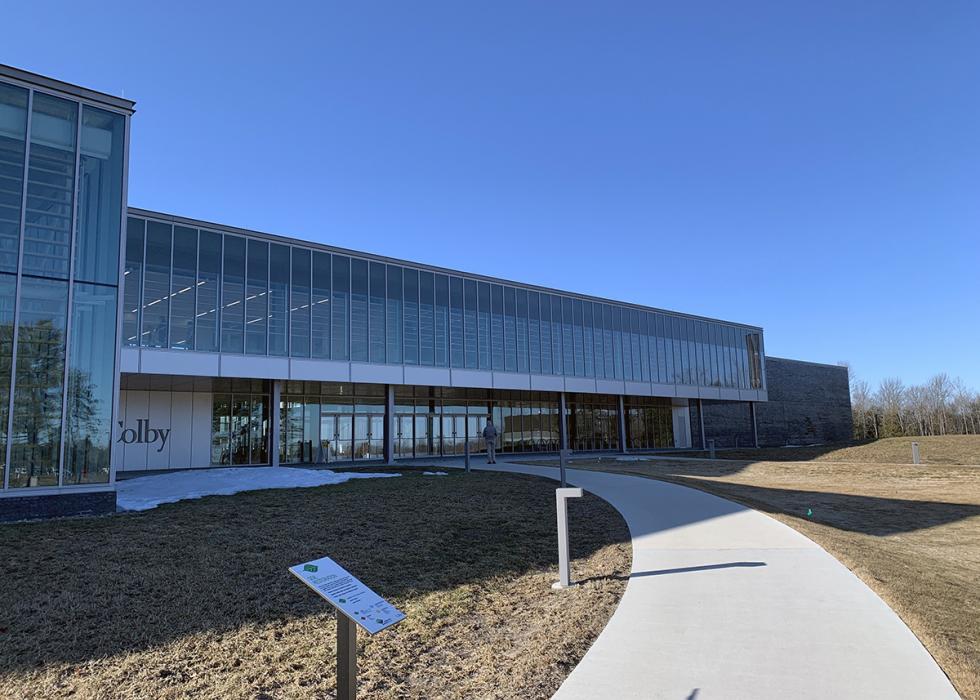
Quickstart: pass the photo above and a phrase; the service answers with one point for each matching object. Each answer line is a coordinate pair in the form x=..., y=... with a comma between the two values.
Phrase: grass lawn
x=194, y=599
x=933, y=449
x=912, y=533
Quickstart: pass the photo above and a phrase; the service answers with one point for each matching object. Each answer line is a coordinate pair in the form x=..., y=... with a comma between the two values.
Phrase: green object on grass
x=809, y=513
x=310, y=567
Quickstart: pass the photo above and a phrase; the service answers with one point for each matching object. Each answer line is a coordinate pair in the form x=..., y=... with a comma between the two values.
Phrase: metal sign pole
x=466, y=454
x=563, y=463
x=346, y=658
x=564, y=564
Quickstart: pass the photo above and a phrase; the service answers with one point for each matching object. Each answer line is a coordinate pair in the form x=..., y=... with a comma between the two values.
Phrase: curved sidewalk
x=724, y=602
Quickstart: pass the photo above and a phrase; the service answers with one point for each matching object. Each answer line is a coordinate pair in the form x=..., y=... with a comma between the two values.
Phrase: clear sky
x=813, y=168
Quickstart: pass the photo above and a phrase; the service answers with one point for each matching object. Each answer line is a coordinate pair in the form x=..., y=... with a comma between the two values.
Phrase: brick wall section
x=809, y=403
x=57, y=505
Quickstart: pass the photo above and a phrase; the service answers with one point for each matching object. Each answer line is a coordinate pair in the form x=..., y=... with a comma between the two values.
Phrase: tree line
x=941, y=406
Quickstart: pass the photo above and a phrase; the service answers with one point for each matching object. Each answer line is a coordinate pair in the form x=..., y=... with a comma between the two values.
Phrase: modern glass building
x=134, y=340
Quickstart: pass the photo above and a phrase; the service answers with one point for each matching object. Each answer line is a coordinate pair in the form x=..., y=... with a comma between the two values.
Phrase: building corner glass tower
x=63, y=173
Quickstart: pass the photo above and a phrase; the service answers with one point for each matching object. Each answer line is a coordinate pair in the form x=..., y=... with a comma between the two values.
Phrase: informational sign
x=342, y=590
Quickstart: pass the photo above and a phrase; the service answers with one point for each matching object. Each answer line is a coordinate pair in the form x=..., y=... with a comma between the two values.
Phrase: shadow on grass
x=83, y=589
x=679, y=570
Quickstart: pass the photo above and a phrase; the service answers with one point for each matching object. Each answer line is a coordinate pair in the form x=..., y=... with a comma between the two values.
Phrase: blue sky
x=813, y=168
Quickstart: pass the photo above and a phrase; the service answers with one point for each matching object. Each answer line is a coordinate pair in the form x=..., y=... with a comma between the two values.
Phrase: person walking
x=490, y=436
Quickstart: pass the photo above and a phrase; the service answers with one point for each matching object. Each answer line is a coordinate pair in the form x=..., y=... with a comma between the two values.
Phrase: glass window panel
x=484, y=323
x=556, y=356
x=411, y=316
x=665, y=367
x=578, y=337
x=394, y=315
x=470, y=348
x=455, y=322
x=644, y=346
x=510, y=329
x=497, y=327
x=278, y=295
x=13, y=134
x=8, y=285
x=588, y=342
x=133, y=281
x=358, y=310
x=607, y=342
x=91, y=361
x=50, y=187
x=522, y=330
x=183, y=288
x=100, y=181
x=442, y=320
x=340, y=291
x=376, y=312
x=233, y=295
x=299, y=303
x=545, y=312
x=617, y=323
x=36, y=436
x=627, y=345
x=320, y=308
x=221, y=429
x=567, y=336
x=208, y=279
x=634, y=317
x=156, y=285
x=256, y=297
x=426, y=319
x=598, y=341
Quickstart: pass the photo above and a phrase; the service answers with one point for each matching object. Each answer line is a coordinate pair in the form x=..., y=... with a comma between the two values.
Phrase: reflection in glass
x=358, y=310
x=90, y=377
x=426, y=319
x=376, y=312
x=183, y=288
x=39, y=381
x=208, y=279
x=256, y=296
x=278, y=298
x=340, y=289
x=156, y=285
x=13, y=131
x=7, y=286
x=50, y=187
x=320, y=309
x=411, y=316
x=233, y=296
x=299, y=304
x=133, y=281
x=100, y=174
x=394, y=314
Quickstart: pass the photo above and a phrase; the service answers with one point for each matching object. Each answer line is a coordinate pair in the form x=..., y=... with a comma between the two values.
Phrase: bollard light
x=915, y=453
x=564, y=565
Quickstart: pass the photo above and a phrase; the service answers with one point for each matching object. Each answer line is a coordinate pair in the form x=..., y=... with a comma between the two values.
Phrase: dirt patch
x=194, y=599
x=912, y=533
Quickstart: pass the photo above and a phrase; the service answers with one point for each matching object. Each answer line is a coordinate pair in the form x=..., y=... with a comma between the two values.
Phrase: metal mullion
x=309, y=304
x=142, y=294
x=221, y=301
x=20, y=265
x=268, y=297
x=73, y=233
x=170, y=291
x=197, y=279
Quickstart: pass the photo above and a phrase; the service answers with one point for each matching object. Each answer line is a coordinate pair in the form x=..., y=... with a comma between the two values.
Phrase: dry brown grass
x=194, y=600
x=933, y=449
x=912, y=533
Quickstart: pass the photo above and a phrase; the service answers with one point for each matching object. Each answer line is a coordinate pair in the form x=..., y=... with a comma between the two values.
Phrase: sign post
x=915, y=453
x=564, y=565
x=563, y=456
x=356, y=604
x=466, y=455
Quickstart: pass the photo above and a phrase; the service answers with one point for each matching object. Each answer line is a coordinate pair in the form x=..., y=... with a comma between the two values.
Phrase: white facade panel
x=728, y=394
x=377, y=374
x=200, y=435
x=663, y=390
x=253, y=367
x=129, y=360
x=709, y=392
x=511, y=380
x=181, y=422
x=319, y=370
x=580, y=384
x=547, y=382
x=429, y=376
x=687, y=392
x=474, y=378
x=157, y=430
x=133, y=405
x=638, y=389
x=610, y=386
x=201, y=364
x=682, y=426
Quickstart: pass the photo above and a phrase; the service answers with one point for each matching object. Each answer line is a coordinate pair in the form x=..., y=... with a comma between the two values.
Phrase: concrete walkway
x=724, y=602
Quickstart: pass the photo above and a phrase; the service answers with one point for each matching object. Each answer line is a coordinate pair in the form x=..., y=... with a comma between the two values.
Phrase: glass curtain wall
x=240, y=422
x=290, y=300
x=61, y=194
x=649, y=423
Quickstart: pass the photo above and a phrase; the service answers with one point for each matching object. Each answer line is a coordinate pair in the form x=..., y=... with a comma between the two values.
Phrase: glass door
x=376, y=437
x=340, y=448
x=403, y=436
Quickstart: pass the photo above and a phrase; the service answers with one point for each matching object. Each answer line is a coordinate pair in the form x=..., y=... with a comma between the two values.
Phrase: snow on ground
x=145, y=492
x=435, y=473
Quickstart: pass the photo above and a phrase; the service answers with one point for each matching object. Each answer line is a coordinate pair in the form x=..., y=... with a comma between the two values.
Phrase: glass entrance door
x=368, y=436
x=453, y=435
x=336, y=436
x=403, y=436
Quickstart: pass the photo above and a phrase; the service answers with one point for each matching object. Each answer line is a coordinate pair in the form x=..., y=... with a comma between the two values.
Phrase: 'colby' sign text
x=144, y=434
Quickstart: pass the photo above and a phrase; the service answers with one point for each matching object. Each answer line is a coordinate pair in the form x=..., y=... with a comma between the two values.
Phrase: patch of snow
x=633, y=459
x=435, y=473
x=145, y=492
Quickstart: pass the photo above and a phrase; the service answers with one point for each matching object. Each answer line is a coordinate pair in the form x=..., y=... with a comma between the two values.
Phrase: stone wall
x=808, y=404
x=57, y=505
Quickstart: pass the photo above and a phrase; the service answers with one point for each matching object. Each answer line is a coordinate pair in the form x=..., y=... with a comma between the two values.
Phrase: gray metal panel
x=101, y=99
x=477, y=379
x=580, y=385
x=319, y=370
x=511, y=380
x=429, y=376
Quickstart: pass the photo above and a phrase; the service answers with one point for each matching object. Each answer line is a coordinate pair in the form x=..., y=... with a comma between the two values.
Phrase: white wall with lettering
x=163, y=430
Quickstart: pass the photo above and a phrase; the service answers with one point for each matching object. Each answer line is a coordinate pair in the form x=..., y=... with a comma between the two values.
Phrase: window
x=442, y=320
x=556, y=356
x=208, y=279
x=588, y=342
x=340, y=291
x=484, y=323
x=617, y=323
x=279, y=263
x=522, y=330
x=470, y=348
x=132, y=280
x=510, y=329
x=13, y=133
x=607, y=342
x=358, y=310
x=394, y=315
x=568, y=337
x=233, y=295
x=426, y=319
x=50, y=187
x=545, y=312
x=634, y=321
x=411, y=316
x=299, y=303
x=156, y=285
x=578, y=337
x=644, y=331
x=100, y=173
x=256, y=297
x=320, y=308
x=497, y=327
x=376, y=312
x=455, y=322
x=36, y=436
x=91, y=361
x=8, y=285
x=183, y=289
